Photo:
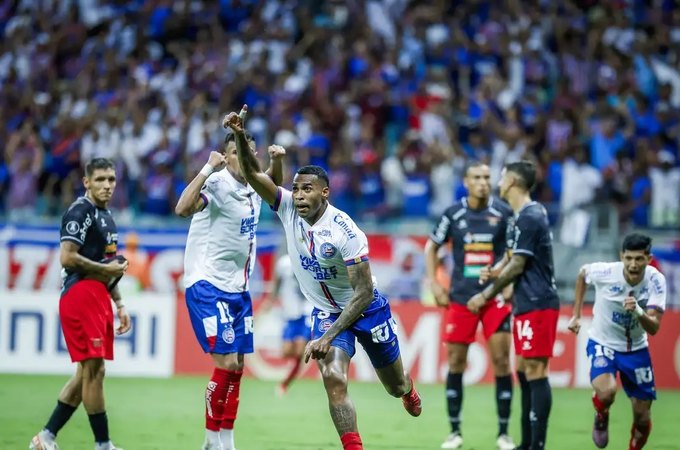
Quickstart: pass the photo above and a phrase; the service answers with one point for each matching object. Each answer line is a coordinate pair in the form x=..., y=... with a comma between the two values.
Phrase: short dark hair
x=472, y=165
x=230, y=137
x=314, y=170
x=97, y=164
x=637, y=241
x=526, y=171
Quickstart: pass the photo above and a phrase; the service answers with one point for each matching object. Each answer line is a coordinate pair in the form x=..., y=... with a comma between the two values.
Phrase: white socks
x=46, y=435
x=227, y=438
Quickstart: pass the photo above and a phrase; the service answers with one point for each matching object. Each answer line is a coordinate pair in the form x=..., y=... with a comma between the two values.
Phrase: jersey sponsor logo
x=475, y=258
x=340, y=220
x=472, y=271
x=615, y=290
x=462, y=224
x=478, y=247
x=248, y=226
x=656, y=284
x=72, y=227
x=442, y=229
x=319, y=273
x=324, y=233
x=327, y=250
x=493, y=220
x=624, y=319
x=85, y=227
x=228, y=335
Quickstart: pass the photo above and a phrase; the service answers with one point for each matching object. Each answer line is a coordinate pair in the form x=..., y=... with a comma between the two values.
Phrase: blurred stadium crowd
x=392, y=96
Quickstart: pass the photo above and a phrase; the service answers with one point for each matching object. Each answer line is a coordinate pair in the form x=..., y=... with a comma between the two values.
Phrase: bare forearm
x=78, y=263
x=579, y=294
x=498, y=267
x=354, y=309
x=649, y=324
x=431, y=261
x=190, y=195
x=275, y=171
x=116, y=297
x=511, y=271
x=246, y=158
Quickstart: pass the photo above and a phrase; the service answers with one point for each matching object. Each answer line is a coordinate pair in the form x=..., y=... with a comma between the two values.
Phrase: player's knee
x=335, y=381
x=94, y=370
x=606, y=395
x=398, y=389
x=501, y=364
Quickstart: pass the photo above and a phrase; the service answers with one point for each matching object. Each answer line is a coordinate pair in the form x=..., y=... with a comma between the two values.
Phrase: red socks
x=637, y=444
x=231, y=399
x=599, y=406
x=351, y=441
x=293, y=372
x=214, y=399
x=221, y=399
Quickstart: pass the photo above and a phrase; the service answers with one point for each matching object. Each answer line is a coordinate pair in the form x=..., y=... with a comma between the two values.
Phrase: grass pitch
x=167, y=414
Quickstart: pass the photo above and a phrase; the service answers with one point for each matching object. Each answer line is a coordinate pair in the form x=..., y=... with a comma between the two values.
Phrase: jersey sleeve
x=75, y=224
x=527, y=233
x=353, y=245
x=210, y=192
x=440, y=233
x=283, y=204
x=657, y=292
x=597, y=272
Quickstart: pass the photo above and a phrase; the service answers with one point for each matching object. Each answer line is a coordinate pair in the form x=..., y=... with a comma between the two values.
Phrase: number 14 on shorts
x=524, y=330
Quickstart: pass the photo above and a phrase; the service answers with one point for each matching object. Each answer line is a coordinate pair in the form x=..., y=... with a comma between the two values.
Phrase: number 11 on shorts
x=225, y=317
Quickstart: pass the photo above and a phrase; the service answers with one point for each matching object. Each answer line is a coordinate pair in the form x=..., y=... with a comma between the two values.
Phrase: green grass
x=167, y=414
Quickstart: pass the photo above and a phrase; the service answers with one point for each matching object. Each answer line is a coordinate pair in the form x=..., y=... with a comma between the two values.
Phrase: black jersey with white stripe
x=478, y=239
x=529, y=235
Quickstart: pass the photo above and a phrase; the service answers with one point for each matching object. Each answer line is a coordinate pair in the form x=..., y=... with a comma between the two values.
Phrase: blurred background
x=393, y=97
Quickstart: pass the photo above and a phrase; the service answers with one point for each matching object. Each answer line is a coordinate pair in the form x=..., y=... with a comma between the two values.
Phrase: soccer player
x=297, y=314
x=330, y=261
x=476, y=228
x=630, y=297
x=218, y=261
x=87, y=251
x=535, y=301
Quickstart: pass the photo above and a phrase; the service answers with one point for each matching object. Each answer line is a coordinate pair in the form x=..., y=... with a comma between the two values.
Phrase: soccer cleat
x=504, y=442
x=40, y=442
x=107, y=446
x=454, y=440
x=601, y=430
x=412, y=402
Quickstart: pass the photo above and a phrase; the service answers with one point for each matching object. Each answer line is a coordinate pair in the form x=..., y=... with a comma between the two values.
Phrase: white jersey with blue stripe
x=613, y=326
x=321, y=253
x=221, y=243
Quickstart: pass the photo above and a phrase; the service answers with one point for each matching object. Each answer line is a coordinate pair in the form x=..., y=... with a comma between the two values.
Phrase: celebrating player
x=630, y=297
x=87, y=253
x=535, y=301
x=330, y=261
x=296, y=312
x=476, y=227
x=218, y=261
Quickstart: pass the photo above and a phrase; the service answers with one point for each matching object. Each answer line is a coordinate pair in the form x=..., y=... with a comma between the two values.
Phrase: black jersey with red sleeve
x=93, y=230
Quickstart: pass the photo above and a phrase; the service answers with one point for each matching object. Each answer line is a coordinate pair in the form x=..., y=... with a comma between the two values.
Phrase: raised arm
x=191, y=201
x=362, y=284
x=260, y=181
x=275, y=170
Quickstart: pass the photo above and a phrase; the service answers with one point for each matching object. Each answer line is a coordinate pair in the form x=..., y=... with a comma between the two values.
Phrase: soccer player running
x=297, y=314
x=476, y=227
x=218, y=262
x=630, y=297
x=529, y=266
x=87, y=252
x=330, y=260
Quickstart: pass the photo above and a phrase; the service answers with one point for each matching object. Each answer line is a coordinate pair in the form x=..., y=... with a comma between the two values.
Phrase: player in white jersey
x=219, y=259
x=330, y=261
x=630, y=297
x=296, y=312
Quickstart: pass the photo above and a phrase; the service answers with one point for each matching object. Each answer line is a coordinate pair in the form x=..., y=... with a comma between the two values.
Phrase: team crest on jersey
x=72, y=227
x=228, y=335
x=324, y=325
x=493, y=220
x=462, y=224
x=327, y=250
